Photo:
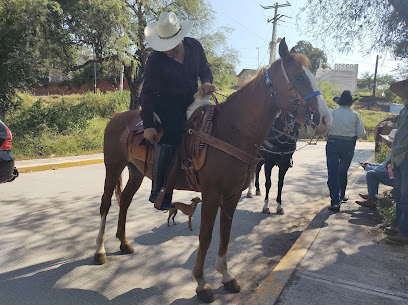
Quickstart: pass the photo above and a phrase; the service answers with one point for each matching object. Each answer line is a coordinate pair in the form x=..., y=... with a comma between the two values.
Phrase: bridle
x=297, y=100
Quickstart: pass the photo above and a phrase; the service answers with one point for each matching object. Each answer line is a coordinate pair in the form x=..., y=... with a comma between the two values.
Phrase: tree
x=366, y=82
x=382, y=24
x=31, y=42
x=315, y=55
x=119, y=34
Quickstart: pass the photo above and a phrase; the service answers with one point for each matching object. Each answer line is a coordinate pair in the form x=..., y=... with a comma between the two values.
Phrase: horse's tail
x=118, y=189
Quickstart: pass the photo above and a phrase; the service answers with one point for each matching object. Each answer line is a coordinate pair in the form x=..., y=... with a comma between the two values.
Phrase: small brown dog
x=187, y=209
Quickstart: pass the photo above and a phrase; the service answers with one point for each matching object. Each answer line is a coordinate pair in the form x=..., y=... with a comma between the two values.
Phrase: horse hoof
x=100, y=258
x=249, y=195
x=258, y=193
x=280, y=211
x=232, y=286
x=266, y=211
x=206, y=295
x=126, y=249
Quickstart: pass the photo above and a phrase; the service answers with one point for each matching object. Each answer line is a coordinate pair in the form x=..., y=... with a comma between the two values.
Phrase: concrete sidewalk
x=341, y=258
x=35, y=165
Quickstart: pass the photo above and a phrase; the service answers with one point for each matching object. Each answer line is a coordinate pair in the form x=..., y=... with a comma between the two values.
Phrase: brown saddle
x=133, y=137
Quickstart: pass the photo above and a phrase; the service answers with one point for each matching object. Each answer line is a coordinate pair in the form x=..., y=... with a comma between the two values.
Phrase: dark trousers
x=339, y=153
x=401, y=195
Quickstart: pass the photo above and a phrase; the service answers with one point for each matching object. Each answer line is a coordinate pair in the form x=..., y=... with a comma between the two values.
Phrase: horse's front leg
x=258, y=169
x=283, y=168
x=251, y=185
x=268, y=182
x=226, y=215
x=133, y=184
x=209, y=208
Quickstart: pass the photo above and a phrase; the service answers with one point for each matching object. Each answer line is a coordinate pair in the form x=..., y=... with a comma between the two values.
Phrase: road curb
x=270, y=290
x=53, y=166
x=272, y=287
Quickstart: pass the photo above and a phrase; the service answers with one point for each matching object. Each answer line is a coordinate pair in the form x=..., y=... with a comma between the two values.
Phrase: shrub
x=386, y=207
x=70, y=126
x=383, y=153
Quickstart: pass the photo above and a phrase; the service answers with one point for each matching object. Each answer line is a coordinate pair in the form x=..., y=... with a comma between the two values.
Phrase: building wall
x=343, y=76
x=245, y=76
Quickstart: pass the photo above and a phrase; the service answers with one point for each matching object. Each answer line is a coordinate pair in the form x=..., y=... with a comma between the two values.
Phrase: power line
x=274, y=20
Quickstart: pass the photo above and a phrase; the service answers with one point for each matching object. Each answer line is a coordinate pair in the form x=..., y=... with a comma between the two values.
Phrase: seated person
x=376, y=174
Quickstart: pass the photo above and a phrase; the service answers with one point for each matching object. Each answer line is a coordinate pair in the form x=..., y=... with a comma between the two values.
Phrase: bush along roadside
x=386, y=207
x=63, y=128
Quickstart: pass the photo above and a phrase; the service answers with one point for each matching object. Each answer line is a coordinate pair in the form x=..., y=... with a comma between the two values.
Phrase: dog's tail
x=118, y=189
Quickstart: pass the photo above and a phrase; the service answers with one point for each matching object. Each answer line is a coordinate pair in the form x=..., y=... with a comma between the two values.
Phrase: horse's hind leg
x=283, y=168
x=133, y=184
x=226, y=215
x=112, y=179
x=268, y=171
x=209, y=210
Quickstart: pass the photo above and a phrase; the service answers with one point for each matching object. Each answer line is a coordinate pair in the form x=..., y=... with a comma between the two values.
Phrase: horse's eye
x=299, y=77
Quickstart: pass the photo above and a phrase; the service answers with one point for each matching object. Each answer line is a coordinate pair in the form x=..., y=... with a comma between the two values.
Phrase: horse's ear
x=283, y=50
x=293, y=50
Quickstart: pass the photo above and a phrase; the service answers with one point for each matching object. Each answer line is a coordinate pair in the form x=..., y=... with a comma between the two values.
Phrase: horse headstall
x=297, y=98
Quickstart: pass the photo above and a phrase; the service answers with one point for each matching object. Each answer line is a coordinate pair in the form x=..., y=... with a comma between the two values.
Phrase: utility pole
x=272, y=45
x=375, y=76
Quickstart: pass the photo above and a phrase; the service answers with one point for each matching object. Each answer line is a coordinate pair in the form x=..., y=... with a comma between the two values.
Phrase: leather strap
x=225, y=147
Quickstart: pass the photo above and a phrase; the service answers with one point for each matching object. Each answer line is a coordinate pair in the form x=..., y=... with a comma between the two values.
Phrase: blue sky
x=251, y=31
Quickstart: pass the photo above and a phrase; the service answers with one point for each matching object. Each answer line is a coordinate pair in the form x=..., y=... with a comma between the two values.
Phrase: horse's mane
x=301, y=59
x=298, y=57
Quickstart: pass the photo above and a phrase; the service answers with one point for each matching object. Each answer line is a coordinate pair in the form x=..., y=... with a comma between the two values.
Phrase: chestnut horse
x=243, y=121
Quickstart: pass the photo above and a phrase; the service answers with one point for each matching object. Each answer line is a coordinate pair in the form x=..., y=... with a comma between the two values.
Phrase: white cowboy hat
x=391, y=136
x=166, y=33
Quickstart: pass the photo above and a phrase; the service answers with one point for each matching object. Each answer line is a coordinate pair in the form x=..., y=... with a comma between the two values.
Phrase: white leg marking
x=266, y=204
x=251, y=185
x=221, y=266
x=100, y=240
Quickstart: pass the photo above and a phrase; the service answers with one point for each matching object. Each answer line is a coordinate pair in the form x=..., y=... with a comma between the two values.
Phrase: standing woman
x=344, y=131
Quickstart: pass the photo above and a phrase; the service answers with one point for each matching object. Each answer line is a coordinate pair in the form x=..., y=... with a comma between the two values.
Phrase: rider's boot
x=163, y=156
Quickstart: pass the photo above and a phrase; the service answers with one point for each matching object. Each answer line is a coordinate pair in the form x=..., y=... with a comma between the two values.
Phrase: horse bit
x=297, y=100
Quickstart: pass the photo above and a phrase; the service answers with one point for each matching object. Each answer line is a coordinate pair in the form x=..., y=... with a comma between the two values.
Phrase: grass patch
x=386, y=207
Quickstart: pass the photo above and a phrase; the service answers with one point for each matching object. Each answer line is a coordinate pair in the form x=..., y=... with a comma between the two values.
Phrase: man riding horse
x=170, y=81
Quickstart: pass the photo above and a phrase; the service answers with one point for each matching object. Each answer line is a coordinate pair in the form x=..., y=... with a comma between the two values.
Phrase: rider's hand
x=207, y=88
x=151, y=135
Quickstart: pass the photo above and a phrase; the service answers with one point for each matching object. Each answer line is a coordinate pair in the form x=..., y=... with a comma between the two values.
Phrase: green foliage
x=221, y=58
x=315, y=55
x=328, y=93
x=374, y=25
x=62, y=128
x=32, y=40
x=386, y=206
x=370, y=120
x=366, y=82
x=382, y=154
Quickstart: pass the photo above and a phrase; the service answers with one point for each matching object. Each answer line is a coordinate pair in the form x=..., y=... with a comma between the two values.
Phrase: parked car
x=7, y=170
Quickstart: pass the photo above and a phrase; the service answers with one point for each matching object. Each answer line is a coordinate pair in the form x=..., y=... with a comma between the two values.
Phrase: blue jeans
x=401, y=195
x=339, y=153
x=374, y=178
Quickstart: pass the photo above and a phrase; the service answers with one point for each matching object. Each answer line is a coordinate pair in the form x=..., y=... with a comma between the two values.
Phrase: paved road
x=49, y=221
